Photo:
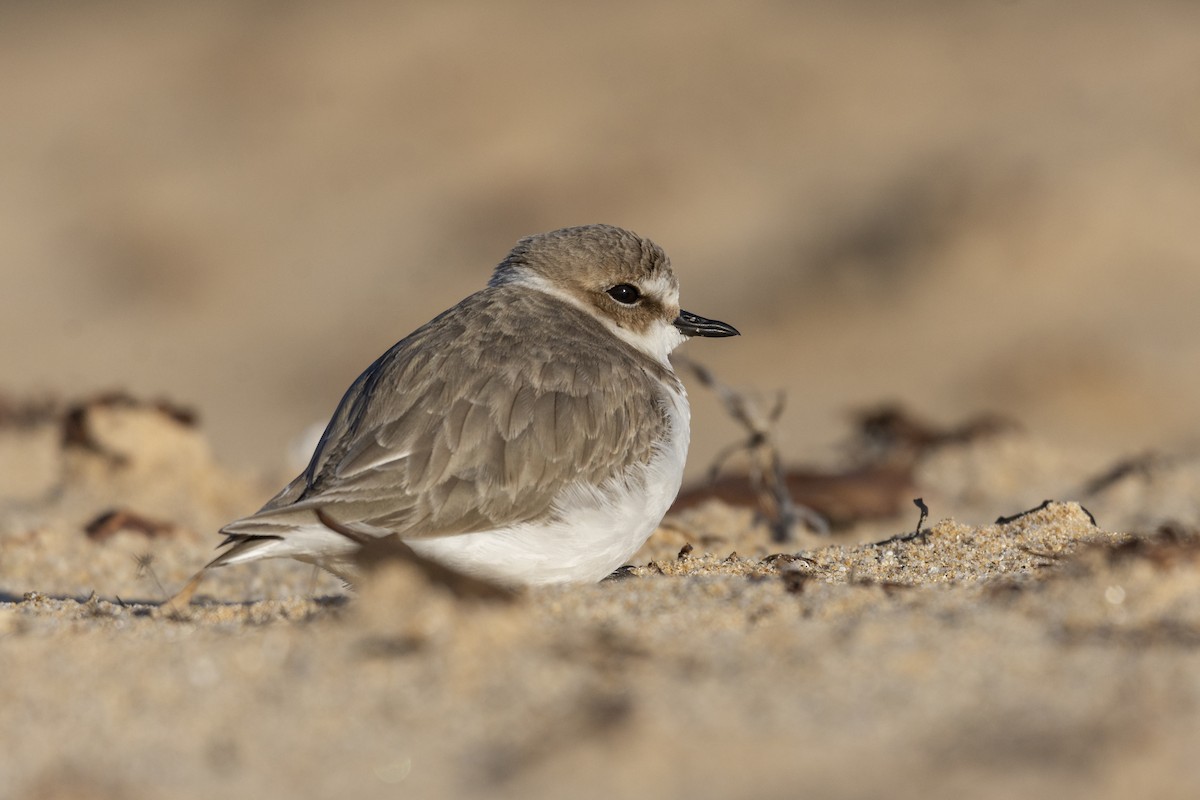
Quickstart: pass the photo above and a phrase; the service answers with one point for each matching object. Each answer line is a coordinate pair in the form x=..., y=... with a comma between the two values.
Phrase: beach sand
x=961, y=240
x=1048, y=654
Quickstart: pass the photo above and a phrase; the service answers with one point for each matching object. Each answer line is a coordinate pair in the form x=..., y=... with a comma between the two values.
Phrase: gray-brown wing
x=463, y=428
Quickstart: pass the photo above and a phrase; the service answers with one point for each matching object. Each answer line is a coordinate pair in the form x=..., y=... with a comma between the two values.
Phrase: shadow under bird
x=534, y=433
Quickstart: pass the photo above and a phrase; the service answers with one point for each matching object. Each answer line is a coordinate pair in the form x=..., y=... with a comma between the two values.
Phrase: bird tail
x=244, y=547
x=321, y=540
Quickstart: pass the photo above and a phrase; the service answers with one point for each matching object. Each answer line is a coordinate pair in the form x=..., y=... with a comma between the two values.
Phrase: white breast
x=598, y=528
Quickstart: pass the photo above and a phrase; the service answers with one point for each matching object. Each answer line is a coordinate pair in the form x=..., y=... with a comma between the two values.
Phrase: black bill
x=690, y=324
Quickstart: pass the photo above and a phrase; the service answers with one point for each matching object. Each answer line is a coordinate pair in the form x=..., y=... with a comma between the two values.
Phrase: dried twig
x=919, y=533
x=145, y=567
x=766, y=473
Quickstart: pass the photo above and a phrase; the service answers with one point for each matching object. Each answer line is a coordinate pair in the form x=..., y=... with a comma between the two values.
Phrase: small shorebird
x=533, y=433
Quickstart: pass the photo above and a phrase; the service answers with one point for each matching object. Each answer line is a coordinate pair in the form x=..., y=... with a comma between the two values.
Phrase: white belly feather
x=597, y=529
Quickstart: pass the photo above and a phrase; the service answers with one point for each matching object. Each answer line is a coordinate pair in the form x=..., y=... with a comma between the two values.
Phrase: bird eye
x=625, y=294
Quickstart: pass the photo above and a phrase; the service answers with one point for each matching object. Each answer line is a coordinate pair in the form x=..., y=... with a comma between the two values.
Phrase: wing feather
x=428, y=442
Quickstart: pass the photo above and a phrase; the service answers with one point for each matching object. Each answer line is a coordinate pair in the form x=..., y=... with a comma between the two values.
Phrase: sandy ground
x=1048, y=654
x=981, y=208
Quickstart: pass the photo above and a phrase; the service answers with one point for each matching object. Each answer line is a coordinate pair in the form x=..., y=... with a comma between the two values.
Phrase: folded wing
x=461, y=429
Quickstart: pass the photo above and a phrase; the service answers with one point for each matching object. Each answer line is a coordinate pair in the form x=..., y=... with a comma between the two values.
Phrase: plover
x=534, y=433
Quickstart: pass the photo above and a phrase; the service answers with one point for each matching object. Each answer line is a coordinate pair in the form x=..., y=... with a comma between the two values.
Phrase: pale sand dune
x=986, y=207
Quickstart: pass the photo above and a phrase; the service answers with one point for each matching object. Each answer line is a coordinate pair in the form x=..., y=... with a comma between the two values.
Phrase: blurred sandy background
x=978, y=206
x=986, y=206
